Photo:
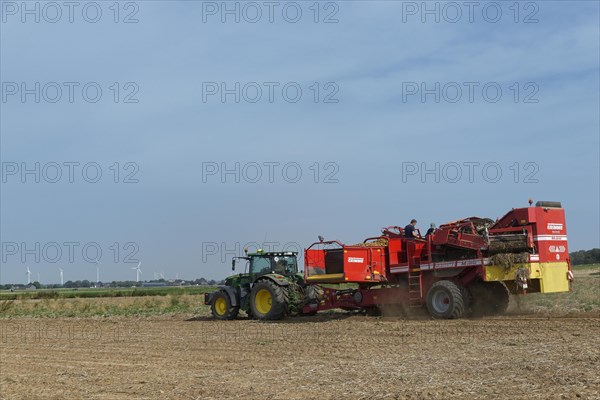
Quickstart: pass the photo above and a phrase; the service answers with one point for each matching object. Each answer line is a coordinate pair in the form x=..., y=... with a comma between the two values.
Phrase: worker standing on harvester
x=410, y=230
x=431, y=229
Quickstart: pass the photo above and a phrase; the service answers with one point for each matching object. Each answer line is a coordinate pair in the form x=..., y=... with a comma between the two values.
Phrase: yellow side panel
x=326, y=278
x=498, y=273
x=554, y=278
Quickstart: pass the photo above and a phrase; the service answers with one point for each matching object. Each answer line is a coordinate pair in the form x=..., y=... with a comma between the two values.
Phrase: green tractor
x=271, y=288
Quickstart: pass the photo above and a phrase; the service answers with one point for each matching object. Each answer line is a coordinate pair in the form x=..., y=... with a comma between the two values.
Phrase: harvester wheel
x=445, y=300
x=467, y=300
x=268, y=300
x=489, y=298
x=502, y=297
x=221, y=306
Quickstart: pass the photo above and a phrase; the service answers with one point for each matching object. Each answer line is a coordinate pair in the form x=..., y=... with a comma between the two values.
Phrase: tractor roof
x=273, y=253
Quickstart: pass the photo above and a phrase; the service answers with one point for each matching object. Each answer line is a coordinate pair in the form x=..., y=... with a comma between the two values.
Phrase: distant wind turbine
x=97, y=270
x=28, y=273
x=61, y=276
x=138, y=272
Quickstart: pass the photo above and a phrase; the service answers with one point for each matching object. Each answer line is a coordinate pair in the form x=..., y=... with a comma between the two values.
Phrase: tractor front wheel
x=268, y=301
x=221, y=306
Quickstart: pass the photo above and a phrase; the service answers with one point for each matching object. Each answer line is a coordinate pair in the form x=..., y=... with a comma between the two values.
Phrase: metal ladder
x=415, y=287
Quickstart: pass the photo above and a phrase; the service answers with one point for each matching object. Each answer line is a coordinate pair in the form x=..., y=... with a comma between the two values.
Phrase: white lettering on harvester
x=356, y=260
x=555, y=227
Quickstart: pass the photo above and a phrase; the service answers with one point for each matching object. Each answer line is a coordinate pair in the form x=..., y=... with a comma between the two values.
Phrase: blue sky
x=368, y=58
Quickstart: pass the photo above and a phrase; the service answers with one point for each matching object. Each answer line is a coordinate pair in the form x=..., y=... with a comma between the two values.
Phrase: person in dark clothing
x=430, y=230
x=410, y=230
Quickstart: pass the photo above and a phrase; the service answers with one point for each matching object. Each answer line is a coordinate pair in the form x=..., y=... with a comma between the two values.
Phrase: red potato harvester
x=465, y=267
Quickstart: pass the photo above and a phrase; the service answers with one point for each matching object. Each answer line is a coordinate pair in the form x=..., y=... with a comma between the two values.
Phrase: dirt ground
x=331, y=356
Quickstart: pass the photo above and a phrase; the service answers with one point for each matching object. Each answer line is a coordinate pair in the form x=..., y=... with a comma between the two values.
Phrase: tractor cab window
x=285, y=265
x=261, y=265
x=278, y=264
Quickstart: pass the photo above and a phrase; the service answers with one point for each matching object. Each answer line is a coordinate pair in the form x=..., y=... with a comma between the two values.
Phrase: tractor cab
x=264, y=263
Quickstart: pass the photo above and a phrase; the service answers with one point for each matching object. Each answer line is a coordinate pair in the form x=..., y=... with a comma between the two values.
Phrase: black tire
x=502, y=297
x=466, y=299
x=250, y=315
x=488, y=298
x=445, y=300
x=312, y=295
x=221, y=307
x=271, y=307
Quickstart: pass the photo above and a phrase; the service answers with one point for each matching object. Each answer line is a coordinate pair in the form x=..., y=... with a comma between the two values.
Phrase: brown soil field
x=329, y=356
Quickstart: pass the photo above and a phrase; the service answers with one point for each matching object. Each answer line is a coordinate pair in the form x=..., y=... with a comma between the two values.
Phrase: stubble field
x=536, y=351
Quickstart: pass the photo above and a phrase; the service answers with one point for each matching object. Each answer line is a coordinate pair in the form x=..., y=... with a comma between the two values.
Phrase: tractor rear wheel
x=445, y=300
x=221, y=306
x=312, y=296
x=268, y=301
x=488, y=298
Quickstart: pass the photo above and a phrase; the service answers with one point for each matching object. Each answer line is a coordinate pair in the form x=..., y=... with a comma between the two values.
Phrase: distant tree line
x=585, y=257
x=115, y=284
